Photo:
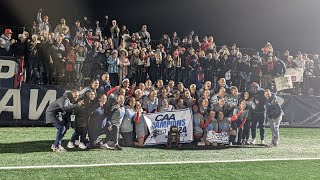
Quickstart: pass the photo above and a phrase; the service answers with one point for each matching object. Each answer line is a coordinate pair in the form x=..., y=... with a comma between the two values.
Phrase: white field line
x=152, y=163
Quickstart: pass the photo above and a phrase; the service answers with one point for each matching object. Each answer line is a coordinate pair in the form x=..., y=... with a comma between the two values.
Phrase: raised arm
x=39, y=19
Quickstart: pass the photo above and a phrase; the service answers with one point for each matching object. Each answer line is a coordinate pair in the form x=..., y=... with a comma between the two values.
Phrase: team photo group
x=116, y=78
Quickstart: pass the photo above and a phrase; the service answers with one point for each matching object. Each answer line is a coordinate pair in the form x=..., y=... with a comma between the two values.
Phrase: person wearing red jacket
x=140, y=125
x=238, y=125
x=207, y=124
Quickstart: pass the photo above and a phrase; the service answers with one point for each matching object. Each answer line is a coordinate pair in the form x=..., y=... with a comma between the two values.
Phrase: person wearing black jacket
x=255, y=67
x=56, y=115
x=59, y=56
x=82, y=115
x=259, y=112
x=274, y=113
x=279, y=66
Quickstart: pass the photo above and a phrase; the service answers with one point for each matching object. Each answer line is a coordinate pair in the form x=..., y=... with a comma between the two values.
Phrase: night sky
x=287, y=24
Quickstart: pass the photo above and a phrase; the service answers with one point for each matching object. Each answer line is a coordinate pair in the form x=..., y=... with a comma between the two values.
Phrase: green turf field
x=244, y=170
x=31, y=146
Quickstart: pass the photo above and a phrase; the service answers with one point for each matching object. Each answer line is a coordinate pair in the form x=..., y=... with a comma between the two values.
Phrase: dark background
x=287, y=24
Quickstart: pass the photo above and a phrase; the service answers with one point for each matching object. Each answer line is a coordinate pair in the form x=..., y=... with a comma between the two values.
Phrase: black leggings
x=82, y=132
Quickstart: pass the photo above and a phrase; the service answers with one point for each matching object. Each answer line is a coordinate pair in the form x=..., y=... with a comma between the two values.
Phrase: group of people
x=117, y=112
x=77, y=54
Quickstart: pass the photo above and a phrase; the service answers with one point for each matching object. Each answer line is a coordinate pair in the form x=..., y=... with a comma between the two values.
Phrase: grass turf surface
x=31, y=146
x=241, y=170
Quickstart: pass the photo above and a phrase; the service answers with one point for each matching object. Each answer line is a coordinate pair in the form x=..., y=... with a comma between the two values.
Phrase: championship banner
x=295, y=73
x=283, y=83
x=159, y=125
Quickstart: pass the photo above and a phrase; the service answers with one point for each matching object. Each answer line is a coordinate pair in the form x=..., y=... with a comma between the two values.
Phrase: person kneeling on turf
x=222, y=125
x=207, y=124
x=55, y=115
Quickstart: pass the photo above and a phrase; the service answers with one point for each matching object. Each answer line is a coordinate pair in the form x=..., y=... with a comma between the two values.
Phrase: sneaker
x=53, y=148
x=70, y=145
x=239, y=143
x=253, y=141
x=106, y=146
x=242, y=141
x=77, y=142
x=246, y=142
x=118, y=147
x=262, y=142
x=270, y=145
x=111, y=144
x=82, y=146
x=60, y=149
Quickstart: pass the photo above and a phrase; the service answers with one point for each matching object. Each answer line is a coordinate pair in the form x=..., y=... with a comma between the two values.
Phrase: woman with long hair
x=241, y=114
x=126, y=128
x=140, y=125
x=81, y=118
x=246, y=96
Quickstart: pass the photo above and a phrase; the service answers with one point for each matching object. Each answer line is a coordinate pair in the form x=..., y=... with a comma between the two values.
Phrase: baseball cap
x=8, y=31
x=255, y=84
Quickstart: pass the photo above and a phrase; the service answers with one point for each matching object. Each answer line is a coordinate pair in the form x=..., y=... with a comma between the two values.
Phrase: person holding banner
x=55, y=115
x=222, y=124
x=208, y=124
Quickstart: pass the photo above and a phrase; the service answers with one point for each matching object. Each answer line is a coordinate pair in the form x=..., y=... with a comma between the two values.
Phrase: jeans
x=74, y=136
x=274, y=126
x=61, y=131
x=79, y=132
x=258, y=117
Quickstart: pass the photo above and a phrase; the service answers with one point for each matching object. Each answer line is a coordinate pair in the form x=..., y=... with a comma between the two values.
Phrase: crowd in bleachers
x=76, y=54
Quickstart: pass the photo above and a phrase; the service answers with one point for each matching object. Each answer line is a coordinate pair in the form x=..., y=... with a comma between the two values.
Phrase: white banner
x=159, y=125
x=222, y=138
x=295, y=73
x=283, y=83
